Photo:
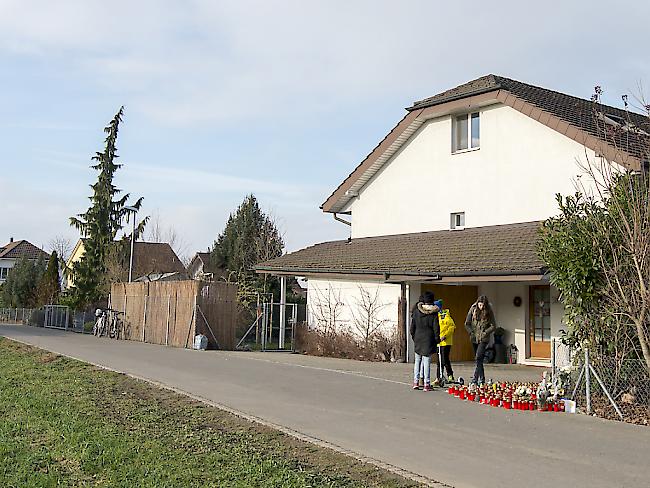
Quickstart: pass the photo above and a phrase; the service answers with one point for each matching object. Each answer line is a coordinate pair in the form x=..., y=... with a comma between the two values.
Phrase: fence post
x=16, y=316
x=67, y=318
x=169, y=305
x=553, y=361
x=587, y=381
x=144, y=317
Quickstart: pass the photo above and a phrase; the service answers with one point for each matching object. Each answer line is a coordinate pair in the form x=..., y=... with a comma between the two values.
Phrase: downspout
x=339, y=219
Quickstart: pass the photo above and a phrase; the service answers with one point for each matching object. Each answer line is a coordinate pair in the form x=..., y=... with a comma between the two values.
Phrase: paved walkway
x=364, y=409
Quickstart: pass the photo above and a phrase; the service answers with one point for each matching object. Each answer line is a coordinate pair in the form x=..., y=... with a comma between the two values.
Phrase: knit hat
x=428, y=297
x=438, y=303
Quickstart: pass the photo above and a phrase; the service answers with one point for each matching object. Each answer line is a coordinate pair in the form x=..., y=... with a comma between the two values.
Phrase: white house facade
x=452, y=200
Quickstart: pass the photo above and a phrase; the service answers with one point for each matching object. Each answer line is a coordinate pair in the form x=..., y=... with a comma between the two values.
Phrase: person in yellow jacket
x=447, y=328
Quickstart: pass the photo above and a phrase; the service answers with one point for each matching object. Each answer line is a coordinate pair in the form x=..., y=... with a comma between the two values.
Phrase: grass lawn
x=67, y=423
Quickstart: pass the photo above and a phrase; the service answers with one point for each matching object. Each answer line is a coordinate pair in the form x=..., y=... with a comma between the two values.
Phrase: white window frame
x=453, y=218
x=454, y=125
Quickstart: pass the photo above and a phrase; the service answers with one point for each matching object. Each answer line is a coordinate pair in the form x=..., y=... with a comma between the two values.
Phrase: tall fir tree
x=101, y=223
x=49, y=285
x=250, y=236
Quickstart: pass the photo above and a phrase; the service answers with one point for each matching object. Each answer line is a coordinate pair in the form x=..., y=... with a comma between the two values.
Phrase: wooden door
x=539, y=328
x=458, y=299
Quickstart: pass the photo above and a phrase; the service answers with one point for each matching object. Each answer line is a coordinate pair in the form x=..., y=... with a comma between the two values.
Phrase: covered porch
x=500, y=262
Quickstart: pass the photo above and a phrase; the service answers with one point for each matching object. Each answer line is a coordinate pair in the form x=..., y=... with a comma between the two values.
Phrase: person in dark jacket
x=425, y=332
x=480, y=325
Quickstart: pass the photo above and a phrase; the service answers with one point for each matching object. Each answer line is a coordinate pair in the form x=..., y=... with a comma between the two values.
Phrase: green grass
x=66, y=423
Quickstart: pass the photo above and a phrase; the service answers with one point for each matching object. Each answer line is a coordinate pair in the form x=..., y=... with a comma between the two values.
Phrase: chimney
x=11, y=239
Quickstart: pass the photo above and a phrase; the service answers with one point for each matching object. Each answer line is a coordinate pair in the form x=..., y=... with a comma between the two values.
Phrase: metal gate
x=278, y=324
x=56, y=317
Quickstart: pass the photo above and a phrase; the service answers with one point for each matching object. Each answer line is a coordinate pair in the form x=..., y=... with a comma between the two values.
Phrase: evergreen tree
x=101, y=223
x=20, y=288
x=250, y=237
x=49, y=285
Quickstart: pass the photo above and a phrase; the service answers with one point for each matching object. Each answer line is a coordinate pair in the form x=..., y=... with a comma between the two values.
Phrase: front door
x=539, y=331
x=458, y=299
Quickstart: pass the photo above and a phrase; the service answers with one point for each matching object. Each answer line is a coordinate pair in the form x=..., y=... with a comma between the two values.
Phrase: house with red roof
x=13, y=251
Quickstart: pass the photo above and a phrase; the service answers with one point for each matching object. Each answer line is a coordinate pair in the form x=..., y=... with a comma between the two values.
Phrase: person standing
x=447, y=328
x=480, y=325
x=425, y=332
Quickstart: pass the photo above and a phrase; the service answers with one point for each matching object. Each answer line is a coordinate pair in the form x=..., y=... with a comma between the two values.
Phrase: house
x=152, y=261
x=202, y=268
x=13, y=251
x=451, y=201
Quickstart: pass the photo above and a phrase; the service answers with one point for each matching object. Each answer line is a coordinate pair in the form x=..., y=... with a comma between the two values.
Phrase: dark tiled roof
x=495, y=250
x=576, y=111
x=155, y=257
x=22, y=249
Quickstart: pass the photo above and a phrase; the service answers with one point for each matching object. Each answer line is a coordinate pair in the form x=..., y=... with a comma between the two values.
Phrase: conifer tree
x=101, y=223
x=49, y=285
x=250, y=236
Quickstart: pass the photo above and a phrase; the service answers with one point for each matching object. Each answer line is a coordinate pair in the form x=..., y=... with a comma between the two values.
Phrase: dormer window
x=465, y=132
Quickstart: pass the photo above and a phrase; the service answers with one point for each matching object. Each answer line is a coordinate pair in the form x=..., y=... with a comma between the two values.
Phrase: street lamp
x=135, y=211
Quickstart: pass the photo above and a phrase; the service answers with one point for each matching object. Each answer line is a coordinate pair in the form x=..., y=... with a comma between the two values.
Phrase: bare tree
x=326, y=308
x=63, y=247
x=158, y=232
x=366, y=317
x=622, y=223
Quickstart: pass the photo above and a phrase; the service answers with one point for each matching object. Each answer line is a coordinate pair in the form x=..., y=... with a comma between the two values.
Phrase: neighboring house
x=201, y=268
x=451, y=201
x=152, y=261
x=16, y=250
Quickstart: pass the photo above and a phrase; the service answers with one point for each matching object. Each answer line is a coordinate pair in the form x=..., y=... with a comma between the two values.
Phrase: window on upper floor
x=465, y=132
x=457, y=221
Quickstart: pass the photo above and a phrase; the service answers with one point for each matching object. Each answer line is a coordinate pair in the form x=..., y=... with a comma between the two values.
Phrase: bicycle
x=115, y=324
x=100, y=323
x=108, y=323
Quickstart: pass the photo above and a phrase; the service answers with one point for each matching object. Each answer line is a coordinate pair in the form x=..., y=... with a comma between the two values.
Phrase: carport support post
x=283, y=310
x=402, y=323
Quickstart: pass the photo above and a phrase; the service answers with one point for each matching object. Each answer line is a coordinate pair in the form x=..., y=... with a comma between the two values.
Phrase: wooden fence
x=173, y=312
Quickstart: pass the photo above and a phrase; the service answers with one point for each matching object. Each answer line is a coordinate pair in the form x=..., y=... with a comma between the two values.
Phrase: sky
x=281, y=99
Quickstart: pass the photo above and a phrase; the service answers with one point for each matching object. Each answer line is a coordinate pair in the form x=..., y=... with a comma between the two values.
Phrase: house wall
x=513, y=177
x=76, y=255
x=348, y=294
x=515, y=319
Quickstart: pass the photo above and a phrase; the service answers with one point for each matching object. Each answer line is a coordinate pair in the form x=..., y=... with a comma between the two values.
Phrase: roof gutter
x=388, y=273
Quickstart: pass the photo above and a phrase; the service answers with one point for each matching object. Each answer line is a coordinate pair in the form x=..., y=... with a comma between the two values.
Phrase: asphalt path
x=377, y=415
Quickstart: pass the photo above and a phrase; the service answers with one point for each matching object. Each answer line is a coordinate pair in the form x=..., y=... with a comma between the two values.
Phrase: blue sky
x=282, y=99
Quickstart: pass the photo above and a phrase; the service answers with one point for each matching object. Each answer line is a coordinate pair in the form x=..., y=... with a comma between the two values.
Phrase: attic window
x=465, y=132
x=457, y=221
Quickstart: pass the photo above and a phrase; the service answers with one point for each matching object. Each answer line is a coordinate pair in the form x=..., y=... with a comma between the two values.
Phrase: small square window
x=465, y=132
x=457, y=221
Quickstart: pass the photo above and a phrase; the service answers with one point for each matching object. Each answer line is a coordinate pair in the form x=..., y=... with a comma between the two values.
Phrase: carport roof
x=501, y=250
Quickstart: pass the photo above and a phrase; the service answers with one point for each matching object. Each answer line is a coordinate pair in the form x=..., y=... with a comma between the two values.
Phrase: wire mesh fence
x=15, y=315
x=603, y=385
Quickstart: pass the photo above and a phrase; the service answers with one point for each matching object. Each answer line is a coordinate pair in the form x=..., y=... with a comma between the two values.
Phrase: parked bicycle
x=109, y=323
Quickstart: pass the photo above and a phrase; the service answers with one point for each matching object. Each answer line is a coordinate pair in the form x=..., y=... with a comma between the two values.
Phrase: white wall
x=513, y=177
x=348, y=294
